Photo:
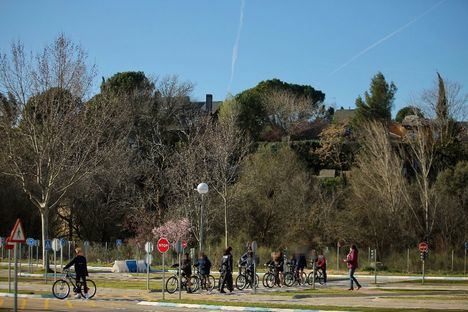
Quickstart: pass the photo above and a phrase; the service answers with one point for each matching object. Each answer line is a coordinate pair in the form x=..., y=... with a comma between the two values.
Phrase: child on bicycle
x=321, y=263
x=81, y=270
x=203, y=264
x=186, y=269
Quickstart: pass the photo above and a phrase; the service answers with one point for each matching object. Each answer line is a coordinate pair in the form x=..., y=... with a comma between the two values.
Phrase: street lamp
x=202, y=189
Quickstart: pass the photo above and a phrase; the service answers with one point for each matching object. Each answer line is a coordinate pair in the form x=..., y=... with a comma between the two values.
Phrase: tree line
x=125, y=161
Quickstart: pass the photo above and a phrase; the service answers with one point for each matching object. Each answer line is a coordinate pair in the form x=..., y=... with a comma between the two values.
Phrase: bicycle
x=319, y=276
x=271, y=278
x=245, y=279
x=294, y=276
x=61, y=287
x=172, y=284
x=205, y=282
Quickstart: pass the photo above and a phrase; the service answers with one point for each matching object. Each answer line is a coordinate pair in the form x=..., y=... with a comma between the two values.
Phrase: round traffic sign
x=149, y=247
x=30, y=241
x=163, y=245
x=423, y=247
x=2, y=241
x=56, y=244
x=184, y=244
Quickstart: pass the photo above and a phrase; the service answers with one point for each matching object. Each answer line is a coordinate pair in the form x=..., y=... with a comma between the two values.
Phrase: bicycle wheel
x=319, y=277
x=91, y=285
x=210, y=282
x=270, y=280
x=194, y=284
x=264, y=279
x=289, y=279
x=310, y=278
x=302, y=278
x=241, y=281
x=172, y=284
x=61, y=289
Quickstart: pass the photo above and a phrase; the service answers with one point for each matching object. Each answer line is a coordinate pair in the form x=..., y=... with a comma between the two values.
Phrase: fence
x=406, y=261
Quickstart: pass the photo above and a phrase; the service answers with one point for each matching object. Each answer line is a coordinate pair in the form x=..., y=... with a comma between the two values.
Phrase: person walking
x=352, y=261
x=226, y=271
x=81, y=271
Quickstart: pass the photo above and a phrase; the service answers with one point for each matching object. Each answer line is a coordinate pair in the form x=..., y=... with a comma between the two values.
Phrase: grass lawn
x=294, y=306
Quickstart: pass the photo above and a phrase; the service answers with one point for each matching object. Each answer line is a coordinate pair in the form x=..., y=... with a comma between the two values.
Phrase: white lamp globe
x=202, y=188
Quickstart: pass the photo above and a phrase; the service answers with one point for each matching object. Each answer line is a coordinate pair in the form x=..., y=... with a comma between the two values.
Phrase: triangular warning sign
x=17, y=234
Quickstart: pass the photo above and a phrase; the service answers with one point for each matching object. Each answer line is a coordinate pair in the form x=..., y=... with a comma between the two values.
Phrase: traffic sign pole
x=180, y=274
x=164, y=274
x=9, y=270
x=16, y=276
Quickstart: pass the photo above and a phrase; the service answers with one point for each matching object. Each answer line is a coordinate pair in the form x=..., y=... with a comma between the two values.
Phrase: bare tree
x=286, y=109
x=377, y=183
x=56, y=139
x=229, y=146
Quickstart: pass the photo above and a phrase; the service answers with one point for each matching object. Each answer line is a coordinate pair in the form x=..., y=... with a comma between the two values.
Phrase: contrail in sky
x=390, y=35
x=236, y=44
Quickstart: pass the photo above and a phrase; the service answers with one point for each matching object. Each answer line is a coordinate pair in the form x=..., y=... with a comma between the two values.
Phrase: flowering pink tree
x=173, y=230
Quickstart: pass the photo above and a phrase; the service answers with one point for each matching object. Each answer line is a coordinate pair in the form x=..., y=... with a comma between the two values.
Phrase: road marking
x=46, y=304
x=69, y=304
x=1, y=302
x=23, y=304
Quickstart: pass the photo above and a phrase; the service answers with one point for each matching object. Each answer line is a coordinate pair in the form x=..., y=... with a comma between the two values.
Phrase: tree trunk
x=45, y=235
x=225, y=223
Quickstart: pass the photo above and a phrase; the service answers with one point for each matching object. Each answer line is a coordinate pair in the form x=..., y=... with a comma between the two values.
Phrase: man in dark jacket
x=81, y=270
x=226, y=271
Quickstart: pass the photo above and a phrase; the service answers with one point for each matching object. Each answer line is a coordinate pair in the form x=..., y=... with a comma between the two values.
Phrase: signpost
x=18, y=237
x=163, y=247
x=47, y=247
x=86, y=245
x=2, y=242
x=179, y=249
x=63, y=242
x=254, y=250
x=9, y=246
x=30, y=242
x=37, y=244
x=148, y=259
x=118, y=243
x=314, y=260
x=423, y=249
x=464, y=264
x=55, y=247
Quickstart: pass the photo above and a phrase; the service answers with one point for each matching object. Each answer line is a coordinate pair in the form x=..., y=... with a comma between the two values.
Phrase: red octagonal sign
x=163, y=245
x=423, y=247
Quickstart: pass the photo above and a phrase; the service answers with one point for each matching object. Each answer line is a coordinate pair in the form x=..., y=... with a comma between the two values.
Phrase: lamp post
x=202, y=189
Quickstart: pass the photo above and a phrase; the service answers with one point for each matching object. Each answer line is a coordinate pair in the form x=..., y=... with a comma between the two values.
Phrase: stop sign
x=423, y=247
x=163, y=245
x=184, y=244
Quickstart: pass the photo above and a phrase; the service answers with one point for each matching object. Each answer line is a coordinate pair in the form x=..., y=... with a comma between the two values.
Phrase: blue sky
x=305, y=42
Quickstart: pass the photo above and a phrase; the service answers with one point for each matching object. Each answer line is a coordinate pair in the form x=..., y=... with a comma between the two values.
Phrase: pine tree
x=377, y=103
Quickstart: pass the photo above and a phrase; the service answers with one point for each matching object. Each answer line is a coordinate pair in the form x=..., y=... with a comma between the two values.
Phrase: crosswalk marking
x=23, y=304
x=69, y=304
x=46, y=304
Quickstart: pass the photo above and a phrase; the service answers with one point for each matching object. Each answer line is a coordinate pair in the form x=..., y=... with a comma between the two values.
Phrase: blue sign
x=466, y=245
x=30, y=242
x=86, y=243
x=48, y=244
x=37, y=243
x=63, y=242
x=118, y=242
x=2, y=241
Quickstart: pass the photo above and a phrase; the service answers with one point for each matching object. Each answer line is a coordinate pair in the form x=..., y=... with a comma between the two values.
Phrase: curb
x=224, y=308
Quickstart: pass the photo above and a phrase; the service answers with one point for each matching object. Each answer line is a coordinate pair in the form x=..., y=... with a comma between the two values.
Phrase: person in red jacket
x=352, y=260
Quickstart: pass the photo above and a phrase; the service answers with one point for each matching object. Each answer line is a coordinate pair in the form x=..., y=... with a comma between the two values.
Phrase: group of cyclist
x=246, y=266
